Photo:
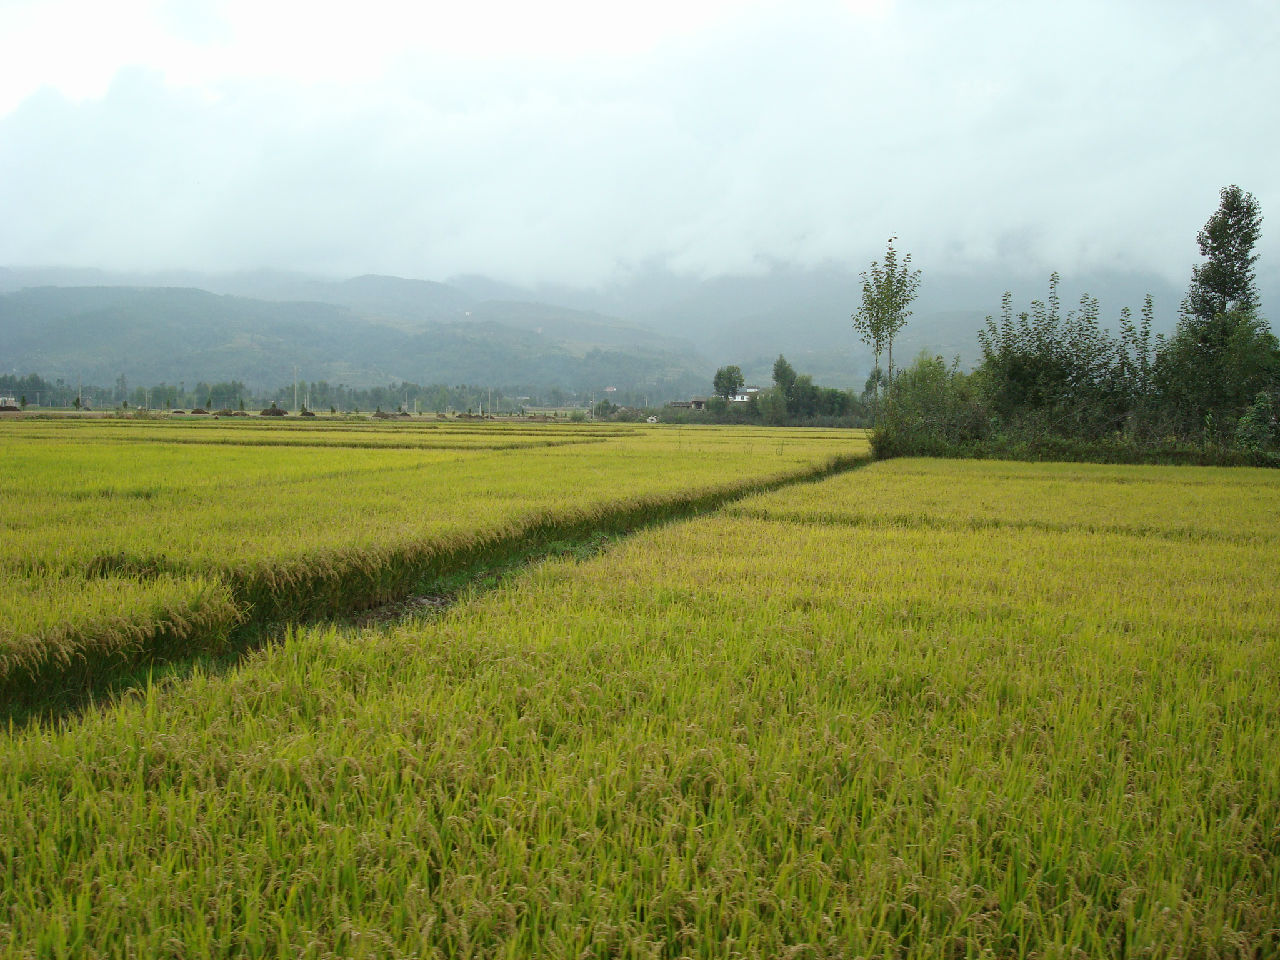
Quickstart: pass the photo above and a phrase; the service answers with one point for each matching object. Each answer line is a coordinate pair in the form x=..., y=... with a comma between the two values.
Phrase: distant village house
x=743, y=395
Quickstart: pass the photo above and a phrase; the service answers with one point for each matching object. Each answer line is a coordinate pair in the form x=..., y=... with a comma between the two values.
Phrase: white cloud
x=570, y=141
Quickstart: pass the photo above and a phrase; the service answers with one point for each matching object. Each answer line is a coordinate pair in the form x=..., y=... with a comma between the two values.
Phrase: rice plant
x=292, y=531
x=927, y=733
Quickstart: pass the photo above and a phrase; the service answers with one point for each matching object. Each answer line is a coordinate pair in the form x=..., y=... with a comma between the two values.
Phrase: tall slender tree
x=1225, y=281
x=888, y=290
x=1222, y=353
x=784, y=376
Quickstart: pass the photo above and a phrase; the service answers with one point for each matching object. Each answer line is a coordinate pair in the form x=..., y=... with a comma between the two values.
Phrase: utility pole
x=295, y=387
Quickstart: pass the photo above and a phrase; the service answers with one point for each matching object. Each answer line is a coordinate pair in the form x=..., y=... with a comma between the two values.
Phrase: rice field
x=103, y=537
x=413, y=434
x=1218, y=503
x=921, y=709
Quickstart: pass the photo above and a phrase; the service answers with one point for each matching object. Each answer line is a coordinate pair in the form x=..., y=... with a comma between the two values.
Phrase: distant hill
x=660, y=331
x=154, y=334
x=803, y=312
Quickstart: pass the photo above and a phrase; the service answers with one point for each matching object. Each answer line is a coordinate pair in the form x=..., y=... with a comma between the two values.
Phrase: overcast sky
x=579, y=142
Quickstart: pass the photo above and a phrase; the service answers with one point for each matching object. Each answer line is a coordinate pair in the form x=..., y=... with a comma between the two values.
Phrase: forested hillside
x=387, y=330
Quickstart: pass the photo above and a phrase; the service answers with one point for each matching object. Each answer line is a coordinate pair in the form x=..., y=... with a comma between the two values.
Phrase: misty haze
x=661, y=192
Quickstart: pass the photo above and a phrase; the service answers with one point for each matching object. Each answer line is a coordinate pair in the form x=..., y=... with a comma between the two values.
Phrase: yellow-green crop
x=920, y=734
x=310, y=519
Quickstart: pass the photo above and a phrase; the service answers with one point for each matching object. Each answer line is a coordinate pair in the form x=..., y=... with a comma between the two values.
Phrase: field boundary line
x=344, y=583
x=908, y=521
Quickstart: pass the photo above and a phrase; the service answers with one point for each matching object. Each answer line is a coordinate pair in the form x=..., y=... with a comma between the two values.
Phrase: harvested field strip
x=723, y=737
x=291, y=430
x=387, y=443
x=350, y=440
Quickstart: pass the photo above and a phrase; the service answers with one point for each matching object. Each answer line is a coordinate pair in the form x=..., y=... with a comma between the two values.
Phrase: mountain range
x=363, y=332
x=656, y=333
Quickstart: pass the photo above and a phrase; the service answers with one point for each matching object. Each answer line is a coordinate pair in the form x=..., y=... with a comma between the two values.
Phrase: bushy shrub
x=1258, y=431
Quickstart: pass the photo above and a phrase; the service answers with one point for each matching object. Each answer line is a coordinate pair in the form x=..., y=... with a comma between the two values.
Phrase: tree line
x=34, y=391
x=1064, y=385
x=793, y=400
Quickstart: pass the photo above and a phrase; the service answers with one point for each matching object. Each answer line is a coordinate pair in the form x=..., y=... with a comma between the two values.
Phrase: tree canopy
x=784, y=375
x=1225, y=281
x=1069, y=386
x=727, y=381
